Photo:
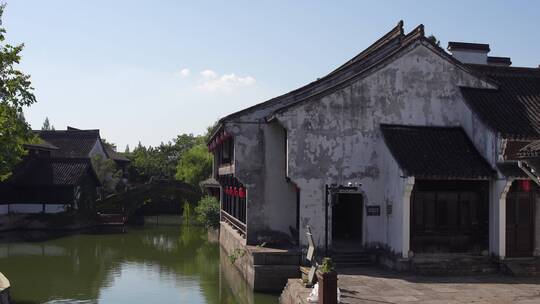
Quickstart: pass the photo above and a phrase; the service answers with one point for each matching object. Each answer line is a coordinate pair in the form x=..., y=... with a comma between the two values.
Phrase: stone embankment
x=264, y=269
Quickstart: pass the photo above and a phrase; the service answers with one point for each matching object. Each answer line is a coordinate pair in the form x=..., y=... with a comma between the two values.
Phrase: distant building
x=57, y=173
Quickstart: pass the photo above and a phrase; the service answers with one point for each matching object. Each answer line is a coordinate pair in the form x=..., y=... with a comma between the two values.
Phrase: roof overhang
x=433, y=152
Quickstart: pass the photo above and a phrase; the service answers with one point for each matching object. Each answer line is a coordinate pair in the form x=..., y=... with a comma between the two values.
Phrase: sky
x=150, y=70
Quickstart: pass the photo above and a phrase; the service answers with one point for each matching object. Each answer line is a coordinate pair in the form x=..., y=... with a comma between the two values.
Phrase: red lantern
x=526, y=185
x=242, y=192
x=235, y=191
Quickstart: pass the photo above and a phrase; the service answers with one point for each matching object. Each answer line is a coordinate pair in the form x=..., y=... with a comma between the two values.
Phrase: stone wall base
x=264, y=269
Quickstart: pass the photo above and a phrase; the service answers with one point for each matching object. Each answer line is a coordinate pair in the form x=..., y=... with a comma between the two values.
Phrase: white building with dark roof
x=405, y=150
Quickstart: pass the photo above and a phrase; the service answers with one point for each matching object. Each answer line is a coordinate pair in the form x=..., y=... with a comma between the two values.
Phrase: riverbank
x=61, y=221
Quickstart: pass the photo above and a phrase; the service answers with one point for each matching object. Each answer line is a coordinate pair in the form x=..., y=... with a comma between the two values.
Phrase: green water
x=143, y=265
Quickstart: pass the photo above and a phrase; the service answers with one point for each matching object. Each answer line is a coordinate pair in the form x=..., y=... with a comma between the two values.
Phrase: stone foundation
x=213, y=235
x=264, y=269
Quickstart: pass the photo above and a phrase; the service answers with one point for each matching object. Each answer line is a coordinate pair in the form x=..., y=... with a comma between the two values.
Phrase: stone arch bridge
x=143, y=195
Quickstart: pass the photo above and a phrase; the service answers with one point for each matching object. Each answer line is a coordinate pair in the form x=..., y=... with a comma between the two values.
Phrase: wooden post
x=327, y=287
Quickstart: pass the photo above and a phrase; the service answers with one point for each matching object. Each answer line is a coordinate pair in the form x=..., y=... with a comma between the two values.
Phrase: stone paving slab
x=374, y=285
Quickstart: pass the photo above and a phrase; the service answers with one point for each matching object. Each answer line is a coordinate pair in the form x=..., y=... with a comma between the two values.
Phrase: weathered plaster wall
x=249, y=170
x=336, y=139
x=260, y=166
x=280, y=195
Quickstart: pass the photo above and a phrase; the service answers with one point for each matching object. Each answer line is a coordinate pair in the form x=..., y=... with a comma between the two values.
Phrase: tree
x=16, y=93
x=107, y=172
x=207, y=212
x=126, y=150
x=195, y=165
x=434, y=40
x=47, y=125
x=160, y=161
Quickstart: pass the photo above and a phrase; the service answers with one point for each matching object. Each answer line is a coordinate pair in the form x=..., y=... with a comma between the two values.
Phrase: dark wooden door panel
x=520, y=224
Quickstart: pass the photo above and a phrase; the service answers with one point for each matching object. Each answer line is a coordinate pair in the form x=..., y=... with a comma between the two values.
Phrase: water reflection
x=159, y=264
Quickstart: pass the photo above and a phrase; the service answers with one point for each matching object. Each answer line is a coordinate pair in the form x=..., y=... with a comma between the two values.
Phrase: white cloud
x=209, y=74
x=185, y=72
x=226, y=82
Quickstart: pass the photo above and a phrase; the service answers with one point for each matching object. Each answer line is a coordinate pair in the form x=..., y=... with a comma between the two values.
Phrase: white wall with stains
x=336, y=138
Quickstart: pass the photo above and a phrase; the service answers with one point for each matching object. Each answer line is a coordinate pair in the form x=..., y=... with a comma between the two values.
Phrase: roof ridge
x=390, y=125
x=395, y=32
x=502, y=67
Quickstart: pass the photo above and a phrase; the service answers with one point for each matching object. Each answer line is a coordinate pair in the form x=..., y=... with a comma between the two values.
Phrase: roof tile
x=435, y=152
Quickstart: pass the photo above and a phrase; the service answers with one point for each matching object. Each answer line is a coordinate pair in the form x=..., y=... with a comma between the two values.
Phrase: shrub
x=327, y=265
x=207, y=211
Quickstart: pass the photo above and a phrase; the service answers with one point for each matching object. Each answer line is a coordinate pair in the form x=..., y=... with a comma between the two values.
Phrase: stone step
x=455, y=268
x=348, y=259
x=522, y=267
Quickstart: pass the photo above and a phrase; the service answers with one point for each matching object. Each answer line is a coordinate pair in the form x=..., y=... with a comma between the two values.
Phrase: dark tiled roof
x=115, y=155
x=511, y=169
x=513, y=148
x=513, y=110
x=71, y=143
x=435, y=152
x=452, y=45
x=52, y=171
x=209, y=183
x=43, y=145
x=499, y=60
x=385, y=47
x=530, y=150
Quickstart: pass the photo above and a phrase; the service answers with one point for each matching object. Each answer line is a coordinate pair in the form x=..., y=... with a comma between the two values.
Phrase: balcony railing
x=234, y=222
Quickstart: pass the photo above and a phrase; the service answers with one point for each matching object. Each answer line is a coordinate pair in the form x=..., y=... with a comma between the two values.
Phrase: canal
x=161, y=264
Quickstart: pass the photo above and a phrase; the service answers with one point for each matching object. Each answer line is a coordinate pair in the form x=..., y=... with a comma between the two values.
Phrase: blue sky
x=149, y=70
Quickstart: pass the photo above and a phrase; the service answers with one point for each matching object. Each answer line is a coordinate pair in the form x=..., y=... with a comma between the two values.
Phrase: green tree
x=16, y=93
x=108, y=173
x=160, y=161
x=207, y=211
x=195, y=165
x=47, y=125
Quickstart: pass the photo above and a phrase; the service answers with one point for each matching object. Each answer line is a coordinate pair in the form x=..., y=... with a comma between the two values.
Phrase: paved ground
x=372, y=285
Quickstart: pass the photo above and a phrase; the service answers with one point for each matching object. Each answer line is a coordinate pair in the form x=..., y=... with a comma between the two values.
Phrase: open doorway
x=347, y=214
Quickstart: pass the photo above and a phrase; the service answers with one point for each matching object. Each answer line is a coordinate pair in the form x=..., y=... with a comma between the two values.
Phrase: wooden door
x=520, y=224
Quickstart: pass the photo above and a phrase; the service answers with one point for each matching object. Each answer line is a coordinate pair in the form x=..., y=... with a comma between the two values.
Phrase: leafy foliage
x=160, y=161
x=195, y=165
x=108, y=174
x=327, y=265
x=16, y=93
x=207, y=211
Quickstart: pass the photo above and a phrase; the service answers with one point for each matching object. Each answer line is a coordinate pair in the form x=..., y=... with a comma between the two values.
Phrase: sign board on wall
x=373, y=210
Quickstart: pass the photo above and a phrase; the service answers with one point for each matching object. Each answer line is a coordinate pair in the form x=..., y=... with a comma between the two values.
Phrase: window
x=227, y=152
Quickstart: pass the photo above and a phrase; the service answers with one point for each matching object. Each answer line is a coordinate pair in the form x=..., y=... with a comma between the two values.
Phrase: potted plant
x=327, y=278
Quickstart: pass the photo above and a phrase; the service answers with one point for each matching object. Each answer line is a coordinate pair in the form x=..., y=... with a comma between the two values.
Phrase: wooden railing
x=234, y=222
